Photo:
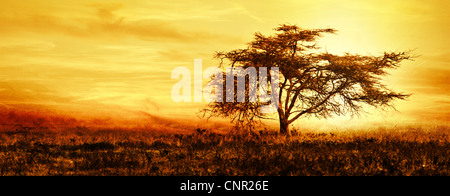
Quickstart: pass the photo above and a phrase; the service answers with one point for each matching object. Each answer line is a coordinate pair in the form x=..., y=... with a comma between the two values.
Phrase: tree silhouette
x=311, y=83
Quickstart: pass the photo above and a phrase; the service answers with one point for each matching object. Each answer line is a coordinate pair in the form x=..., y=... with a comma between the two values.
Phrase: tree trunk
x=284, y=126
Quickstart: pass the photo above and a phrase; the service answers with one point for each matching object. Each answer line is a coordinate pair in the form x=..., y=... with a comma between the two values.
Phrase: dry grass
x=90, y=151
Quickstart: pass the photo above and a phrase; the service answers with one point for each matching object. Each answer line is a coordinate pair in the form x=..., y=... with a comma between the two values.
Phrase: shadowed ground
x=84, y=151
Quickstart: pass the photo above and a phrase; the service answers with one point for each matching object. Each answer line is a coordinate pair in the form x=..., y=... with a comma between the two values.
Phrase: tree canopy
x=311, y=82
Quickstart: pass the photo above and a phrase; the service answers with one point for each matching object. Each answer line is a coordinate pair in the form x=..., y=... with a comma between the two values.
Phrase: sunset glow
x=115, y=58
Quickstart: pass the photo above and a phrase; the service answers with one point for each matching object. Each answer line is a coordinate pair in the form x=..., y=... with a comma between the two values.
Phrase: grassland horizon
x=32, y=144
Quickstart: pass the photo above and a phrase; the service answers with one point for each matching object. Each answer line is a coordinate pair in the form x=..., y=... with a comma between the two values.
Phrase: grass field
x=87, y=151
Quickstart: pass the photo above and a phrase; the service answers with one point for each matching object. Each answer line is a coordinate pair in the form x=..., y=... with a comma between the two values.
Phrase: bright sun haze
x=116, y=57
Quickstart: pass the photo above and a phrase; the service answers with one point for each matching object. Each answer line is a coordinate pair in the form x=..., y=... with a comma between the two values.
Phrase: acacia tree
x=311, y=83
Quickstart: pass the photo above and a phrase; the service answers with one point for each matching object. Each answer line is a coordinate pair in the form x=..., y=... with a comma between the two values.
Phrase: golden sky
x=103, y=55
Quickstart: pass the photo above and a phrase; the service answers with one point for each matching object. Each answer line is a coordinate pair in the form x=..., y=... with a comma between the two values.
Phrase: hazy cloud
x=104, y=21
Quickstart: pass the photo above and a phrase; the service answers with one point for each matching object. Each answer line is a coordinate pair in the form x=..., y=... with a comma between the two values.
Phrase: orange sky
x=111, y=55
